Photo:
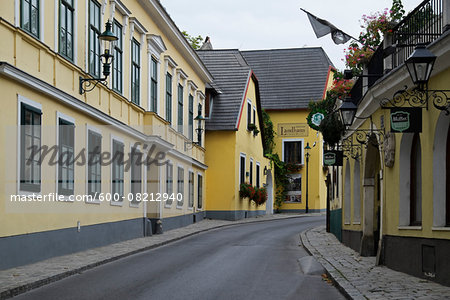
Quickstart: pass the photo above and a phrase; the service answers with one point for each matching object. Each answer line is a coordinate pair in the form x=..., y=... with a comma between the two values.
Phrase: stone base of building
x=421, y=257
x=352, y=239
x=233, y=215
x=178, y=221
x=33, y=247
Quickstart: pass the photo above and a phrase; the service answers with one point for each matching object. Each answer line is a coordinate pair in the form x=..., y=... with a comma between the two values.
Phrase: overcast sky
x=269, y=24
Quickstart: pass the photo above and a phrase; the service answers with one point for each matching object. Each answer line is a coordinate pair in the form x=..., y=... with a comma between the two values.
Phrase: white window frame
x=240, y=167
x=250, y=172
x=98, y=131
x=293, y=140
x=169, y=162
x=190, y=170
x=75, y=31
x=203, y=194
x=138, y=148
x=249, y=120
x=21, y=99
x=184, y=186
x=114, y=138
x=60, y=115
x=258, y=165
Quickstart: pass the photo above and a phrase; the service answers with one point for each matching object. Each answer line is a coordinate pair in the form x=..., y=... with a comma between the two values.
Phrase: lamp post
x=307, y=148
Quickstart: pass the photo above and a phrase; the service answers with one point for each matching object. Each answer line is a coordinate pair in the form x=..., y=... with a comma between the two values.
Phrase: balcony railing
x=423, y=25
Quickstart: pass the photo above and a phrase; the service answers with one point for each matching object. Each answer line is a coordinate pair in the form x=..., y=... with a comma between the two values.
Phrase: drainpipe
x=380, y=241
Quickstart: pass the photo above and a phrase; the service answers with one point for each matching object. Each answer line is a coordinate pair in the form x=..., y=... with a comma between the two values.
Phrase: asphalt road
x=248, y=261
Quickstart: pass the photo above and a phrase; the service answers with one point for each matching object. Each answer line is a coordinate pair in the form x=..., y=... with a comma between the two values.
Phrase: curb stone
x=346, y=288
x=22, y=288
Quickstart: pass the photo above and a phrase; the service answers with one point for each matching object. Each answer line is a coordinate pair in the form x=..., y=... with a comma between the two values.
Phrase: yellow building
x=396, y=199
x=289, y=79
x=145, y=110
x=235, y=148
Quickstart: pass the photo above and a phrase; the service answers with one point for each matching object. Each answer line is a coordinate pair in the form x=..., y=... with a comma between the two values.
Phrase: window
x=94, y=167
x=94, y=42
x=169, y=183
x=169, y=98
x=30, y=168
x=251, y=171
x=117, y=170
x=200, y=191
x=29, y=21
x=199, y=134
x=242, y=169
x=254, y=115
x=258, y=178
x=66, y=12
x=180, y=108
x=66, y=142
x=249, y=115
x=191, y=189
x=117, y=83
x=292, y=152
x=135, y=71
x=416, y=183
x=180, y=187
x=191, y=117
x=136, y=175
x=154, y=85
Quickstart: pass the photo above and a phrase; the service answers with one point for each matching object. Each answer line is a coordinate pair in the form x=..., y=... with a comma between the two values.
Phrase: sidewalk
x=359, y=278
x=24, y=278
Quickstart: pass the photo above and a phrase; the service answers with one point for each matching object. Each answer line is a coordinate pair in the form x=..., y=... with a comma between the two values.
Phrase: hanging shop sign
x=332, y=157
x=406, y=119
x=315, y=117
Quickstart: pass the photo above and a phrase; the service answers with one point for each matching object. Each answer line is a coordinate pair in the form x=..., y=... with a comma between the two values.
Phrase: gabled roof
x=289, y=78
x=231, y=74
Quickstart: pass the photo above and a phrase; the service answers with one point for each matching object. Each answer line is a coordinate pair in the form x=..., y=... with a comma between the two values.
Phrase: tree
x=196, y=42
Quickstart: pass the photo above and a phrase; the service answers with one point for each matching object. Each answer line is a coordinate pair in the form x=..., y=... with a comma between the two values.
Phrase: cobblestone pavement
x=359, y=278
x=24, y=278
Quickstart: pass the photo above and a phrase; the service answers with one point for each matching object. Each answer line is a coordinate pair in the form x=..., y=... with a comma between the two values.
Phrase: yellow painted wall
x=39, y=58
x=223, y=160
x=391, y=180
x=317, y=176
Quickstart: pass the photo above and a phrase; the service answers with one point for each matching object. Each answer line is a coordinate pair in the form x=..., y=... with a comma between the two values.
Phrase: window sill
x=190, y=208
x=356, y=223
x=168, y=206
x=116, y=203
x=134, y=205
x=409, y=227
x=96, y=201
x=347, y=223
x=179, y=207
x=440, y=228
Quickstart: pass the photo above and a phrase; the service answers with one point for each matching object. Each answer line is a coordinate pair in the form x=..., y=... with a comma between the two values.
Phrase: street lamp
x=199, y=118
x=348, y=111
x=420, y=64
x=307, y=148
x=107, y=38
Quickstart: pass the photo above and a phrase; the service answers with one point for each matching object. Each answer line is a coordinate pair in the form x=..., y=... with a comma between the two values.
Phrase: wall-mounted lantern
x=107, y=38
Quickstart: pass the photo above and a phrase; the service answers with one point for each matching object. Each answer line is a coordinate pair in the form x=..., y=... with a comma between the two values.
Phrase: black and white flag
x=323, y=27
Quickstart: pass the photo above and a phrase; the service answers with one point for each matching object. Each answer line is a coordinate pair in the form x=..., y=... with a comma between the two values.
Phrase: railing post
x=446, y=15
x=388, y=63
